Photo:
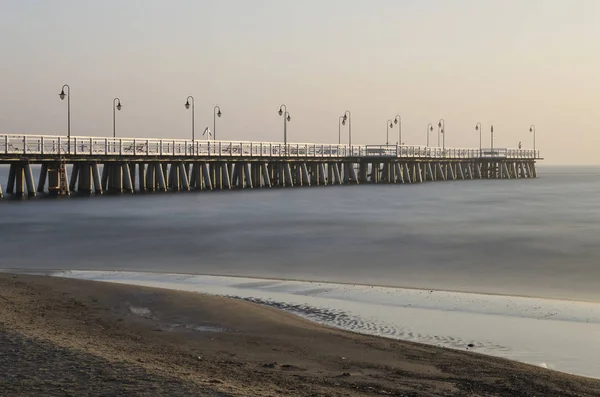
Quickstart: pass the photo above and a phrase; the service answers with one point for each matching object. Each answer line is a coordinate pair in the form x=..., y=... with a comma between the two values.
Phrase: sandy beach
x=62, y=337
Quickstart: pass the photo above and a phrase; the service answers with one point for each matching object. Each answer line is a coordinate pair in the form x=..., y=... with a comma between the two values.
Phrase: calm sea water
x=520, y=237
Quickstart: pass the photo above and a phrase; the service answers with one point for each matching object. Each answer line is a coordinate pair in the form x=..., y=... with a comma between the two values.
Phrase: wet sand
x=82, y=338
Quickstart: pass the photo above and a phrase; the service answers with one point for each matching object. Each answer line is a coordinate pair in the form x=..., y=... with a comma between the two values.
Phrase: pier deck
x=108, y=165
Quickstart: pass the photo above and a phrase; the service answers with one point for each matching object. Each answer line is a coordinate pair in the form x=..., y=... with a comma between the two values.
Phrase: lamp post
x=389, y=124
x=116, y=106
x=478, y=128
x=492, y=140
x=340, y=123
x=398, y=120
x=348, y=117
x=532, y=129
x=442, y=128
x=286, y=117
x=216, y=112
x=187, y=106
x=62, y=96
x=429, y=129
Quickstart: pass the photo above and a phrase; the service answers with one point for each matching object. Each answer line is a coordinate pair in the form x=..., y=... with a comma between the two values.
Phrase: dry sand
x=62, y=337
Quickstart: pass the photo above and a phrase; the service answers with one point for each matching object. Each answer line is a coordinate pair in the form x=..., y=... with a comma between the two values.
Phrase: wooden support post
x=440, y=171
x=29, y=180
x=206, y=176
x=151, y=177
x=322, y=173
x=19, y=180
x=84, y=179
x=452, y=173
x=430, y=172
x=399, y=173
x=419, y=173
x=336, y=174
x=288, y=174
x=105, y=172
x=406, y=172
x=12, y=175
x=183, y=177
x=142, y=176
x=305, y=176
x=42, y=179
x=265, y=175
x=96, y=178
x=375, y=172
x=74, y=176
x=247, y=175
x=126, y=178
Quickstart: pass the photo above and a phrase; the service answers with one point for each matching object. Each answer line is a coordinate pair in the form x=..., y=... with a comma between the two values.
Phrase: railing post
x=6, y=144
x=147, y=147
x=120, y=146
x=42, y=145
x=91, y=146
x=59, y=146
x=24, y=144
x=161, y=147
x=74, y=146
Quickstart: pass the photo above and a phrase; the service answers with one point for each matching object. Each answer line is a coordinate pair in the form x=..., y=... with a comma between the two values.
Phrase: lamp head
x=344, y=122
x=391, y=125
x=477, y=127
x=431, y=128
x=530, y=129
x=440, y=124
x=187, y=104
x=62, y=94
x=345, y=118
x=396, y=120
x=280, y=112
x=119, y=106
x=289, y=118
x=219, y=113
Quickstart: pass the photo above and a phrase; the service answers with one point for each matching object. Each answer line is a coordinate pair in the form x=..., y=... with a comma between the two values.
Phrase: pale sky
x=511, y=63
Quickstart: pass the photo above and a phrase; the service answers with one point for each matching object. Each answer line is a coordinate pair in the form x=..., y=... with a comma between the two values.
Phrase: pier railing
x=138, y=147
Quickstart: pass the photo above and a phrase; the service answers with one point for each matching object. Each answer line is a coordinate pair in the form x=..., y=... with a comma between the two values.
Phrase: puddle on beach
x=147, y=313
x=554, y=334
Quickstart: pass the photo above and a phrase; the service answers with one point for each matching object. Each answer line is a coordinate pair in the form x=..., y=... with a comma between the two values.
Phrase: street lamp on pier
x=340, y=123
x=398, y=120
x=348, y=117
x=389, y=124
x=478, y=128
x=429, y=129
x=532, y=129
x=187, y=106
x=442, y=128
x=116, y=106
x=216, y=113
x=286, y=118
x=62, y=96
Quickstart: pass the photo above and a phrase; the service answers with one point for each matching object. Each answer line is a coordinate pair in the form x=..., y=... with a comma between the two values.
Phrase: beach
x=77, y=337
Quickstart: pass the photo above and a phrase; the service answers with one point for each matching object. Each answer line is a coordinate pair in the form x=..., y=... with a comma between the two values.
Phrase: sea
x=533, y=243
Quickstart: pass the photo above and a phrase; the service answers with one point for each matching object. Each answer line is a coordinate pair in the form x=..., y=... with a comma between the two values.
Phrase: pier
x=100, y=165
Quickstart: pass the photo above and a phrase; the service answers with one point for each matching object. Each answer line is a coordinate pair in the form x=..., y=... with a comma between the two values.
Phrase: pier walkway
x=126, y=165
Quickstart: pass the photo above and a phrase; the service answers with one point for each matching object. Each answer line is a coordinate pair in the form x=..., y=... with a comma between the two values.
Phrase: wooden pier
x=121, y=165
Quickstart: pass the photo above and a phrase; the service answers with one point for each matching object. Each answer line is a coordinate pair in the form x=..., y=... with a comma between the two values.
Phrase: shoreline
x=49, y=272
x=208, y=345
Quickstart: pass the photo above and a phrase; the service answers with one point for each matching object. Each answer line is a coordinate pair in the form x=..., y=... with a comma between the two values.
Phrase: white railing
x=24, y=145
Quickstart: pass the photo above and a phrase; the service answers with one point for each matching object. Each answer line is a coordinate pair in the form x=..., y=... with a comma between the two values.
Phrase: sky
x=507, y=63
